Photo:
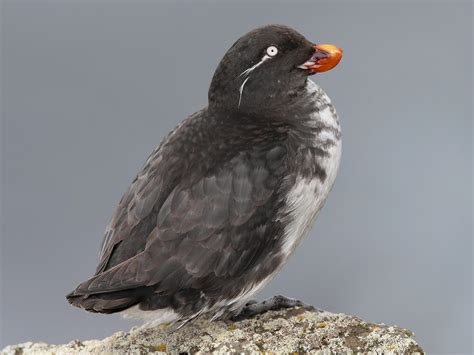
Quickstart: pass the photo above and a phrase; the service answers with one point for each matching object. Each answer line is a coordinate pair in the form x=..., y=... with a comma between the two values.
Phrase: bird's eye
x=272, y=51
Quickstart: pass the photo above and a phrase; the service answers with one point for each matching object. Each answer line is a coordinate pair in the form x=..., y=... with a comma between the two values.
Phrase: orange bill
x=324, y=58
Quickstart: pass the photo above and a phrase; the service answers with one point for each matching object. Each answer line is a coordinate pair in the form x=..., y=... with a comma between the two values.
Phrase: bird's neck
x=282, y=106
x=306, y=119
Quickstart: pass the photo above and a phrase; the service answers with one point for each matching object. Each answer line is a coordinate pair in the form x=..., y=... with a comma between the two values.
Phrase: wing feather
x=187, y=222
x=214, y=227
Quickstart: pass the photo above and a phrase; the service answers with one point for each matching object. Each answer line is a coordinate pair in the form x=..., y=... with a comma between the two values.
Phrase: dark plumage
x=209, y=218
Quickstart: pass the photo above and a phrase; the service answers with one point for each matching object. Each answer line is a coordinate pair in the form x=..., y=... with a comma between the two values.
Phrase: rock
x=287, y=330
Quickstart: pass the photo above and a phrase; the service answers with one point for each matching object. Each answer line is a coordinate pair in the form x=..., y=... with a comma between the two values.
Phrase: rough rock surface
x=283, y=331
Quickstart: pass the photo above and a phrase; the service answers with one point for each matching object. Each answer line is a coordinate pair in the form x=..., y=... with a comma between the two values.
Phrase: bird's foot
x=253, y=308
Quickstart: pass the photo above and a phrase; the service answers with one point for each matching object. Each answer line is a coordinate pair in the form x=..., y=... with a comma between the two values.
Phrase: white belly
x=151, y=318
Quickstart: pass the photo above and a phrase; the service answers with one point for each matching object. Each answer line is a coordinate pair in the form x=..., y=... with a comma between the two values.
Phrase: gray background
x=89, y=88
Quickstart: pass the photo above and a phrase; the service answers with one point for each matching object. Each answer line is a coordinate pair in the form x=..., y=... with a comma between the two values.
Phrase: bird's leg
x=250, y=302
x=274, y=303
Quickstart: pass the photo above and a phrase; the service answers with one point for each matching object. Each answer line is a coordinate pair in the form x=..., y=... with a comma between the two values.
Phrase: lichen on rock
x=283, y=331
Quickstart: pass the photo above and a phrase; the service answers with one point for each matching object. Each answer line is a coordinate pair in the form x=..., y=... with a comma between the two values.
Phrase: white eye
x=272, y=51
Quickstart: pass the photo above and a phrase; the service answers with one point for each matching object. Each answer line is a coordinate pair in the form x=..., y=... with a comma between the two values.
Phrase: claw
x=253, y=308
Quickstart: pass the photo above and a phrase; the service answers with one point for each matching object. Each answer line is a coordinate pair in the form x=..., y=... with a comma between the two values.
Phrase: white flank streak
x=307, y=196
x=249, y=70
x=151, y=318
x=242, y=89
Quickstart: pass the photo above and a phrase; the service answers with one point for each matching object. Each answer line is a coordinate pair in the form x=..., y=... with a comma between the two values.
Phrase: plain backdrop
x=90, y=87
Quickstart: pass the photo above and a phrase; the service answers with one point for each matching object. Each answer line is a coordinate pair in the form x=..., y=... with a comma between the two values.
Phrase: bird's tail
x=107, y=302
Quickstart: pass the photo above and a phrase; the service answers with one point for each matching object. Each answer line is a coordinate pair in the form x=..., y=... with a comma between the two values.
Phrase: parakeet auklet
x=224, y=200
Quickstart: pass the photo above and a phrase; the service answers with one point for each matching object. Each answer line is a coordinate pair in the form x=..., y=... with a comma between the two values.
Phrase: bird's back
x=201, y=210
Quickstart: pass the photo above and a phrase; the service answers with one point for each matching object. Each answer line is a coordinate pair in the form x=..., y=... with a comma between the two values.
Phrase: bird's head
x=266, y=68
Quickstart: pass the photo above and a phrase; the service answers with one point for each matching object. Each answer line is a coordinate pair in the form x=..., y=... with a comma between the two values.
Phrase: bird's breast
x=317, y=162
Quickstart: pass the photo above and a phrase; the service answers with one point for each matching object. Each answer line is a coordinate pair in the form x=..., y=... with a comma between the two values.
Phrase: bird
x=226, y=197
